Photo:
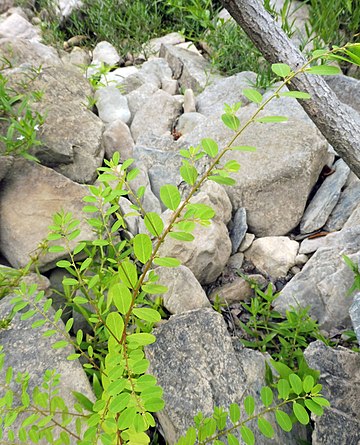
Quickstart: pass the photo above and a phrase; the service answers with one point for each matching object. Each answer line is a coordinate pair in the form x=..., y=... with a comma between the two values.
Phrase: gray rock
x=346, y=88
x=348, y=201
x=235, y=261
x=149, y=201
x=153, y=46
x=105, y=53
x=112, y=105
x=195, y=362
x=77, y=57
x=157, y=116
x=273, y=255
x=247, y=241
x=340, y=377
x=238, y=230
x=131, y=220
x=355, y=315
x=117, y=137
x=27, y=350
x=188, y=121
x=206, y=256
x=324, y=281
x=156, y=71
x=116, y=77
x=325, y=199
x=5, y=5
x=17, y=26
x=189, y=101
x=301, y=259
x=191, y=70
x=170, y=86
x=29, y=196
x=354, y=219
x=229, y=90
x=66, y=7
x=184, y=291
x=310, y=245
x=238, y=290
x=137, y=98
x=5, y=164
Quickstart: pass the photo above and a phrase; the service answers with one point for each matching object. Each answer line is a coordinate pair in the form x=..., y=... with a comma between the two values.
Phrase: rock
x=5, y=164
x=46, y=192
x=153, y=46
x=27, y=350
x=170, y=86
x=105, y=53
x=325, y=280
x=156, y=71
x=71, y=135
x=346, y=88
x=340, y=376
x=5, y=5
x=188, y=46
x=235, y=261
x=117, y=137
x=271, y=185
x=191, y=70
x=137, y=98
x=116, y=77
x=17, y=26
x=184, y=291
x=355, y=315
x=66, y=7
x=325, y=199
x=273, y=255
x=149, y=201
x=229, y=90
x=247, y=241
x=301, y=259
x=354, y=219
x=206, y=256
x=348, y=201
x=195, y=363
x=238, y=230
x=310, y=245
x=238, y=290
x=19, y=51
x=77, y=57
x=112, y=105
x=132, y=221
x=188, y=121
x=157, y=116
x=189, y=101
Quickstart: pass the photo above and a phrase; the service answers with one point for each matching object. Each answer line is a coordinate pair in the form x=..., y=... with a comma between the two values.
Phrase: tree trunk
x=339, y=124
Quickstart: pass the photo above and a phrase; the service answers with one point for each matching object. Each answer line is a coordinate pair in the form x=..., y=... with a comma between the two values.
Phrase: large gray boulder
x=15, y=25
x=340, y=377
x=29, y=195
x=196, y=364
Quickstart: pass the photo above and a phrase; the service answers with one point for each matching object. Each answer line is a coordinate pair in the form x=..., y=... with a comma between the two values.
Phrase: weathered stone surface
x=27, y=350
x=206, y=256
x=340, y=377
x=348, y=201
x=16, y=26
x=5, y=164
x=184, y=291
x=117, y=76
x=66, y=7
x=112, y=105
x=131, y=220
x=271, y=185
x=346, y=88
x=29, y=196
x=20, y=51
x=248, y=240
x=355, y=315
x=273, y=255
x=149, y=201
x=170, y=86
x=156, y=71
x=325, y=199
x=325, y=280
x=137, y=98
x=5, y=5
x=191, y=70
x=195, y=362
x=77, y=57
x=157, y=116
x=229, y=90
x=117, y=137
x=105, y=52
x=153, y=46
x=238, y=229
x=238, y=290
x=189, y=101
x=188, y=121
x=235, y=261
x=354, y=219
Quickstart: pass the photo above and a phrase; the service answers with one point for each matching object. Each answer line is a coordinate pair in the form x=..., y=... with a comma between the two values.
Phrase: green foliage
x=355, y=269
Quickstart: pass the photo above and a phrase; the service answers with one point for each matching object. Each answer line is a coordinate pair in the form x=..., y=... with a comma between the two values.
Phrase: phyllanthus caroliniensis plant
x=110, y=288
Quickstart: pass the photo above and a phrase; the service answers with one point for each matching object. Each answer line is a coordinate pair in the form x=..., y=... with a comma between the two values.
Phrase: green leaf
x=222, y=180
x=296, y=94
x=128, y=273
x=283, y=388
x=231, y=121
x=147, y=314
x=182, y=236
x=73, y=357
x=232, y=166
x=120, y=295
x=116, y=387
x=314, y=407
x=56, y=249
x=190, y=437
x=126, y=418
x=249, y=404
x=189, y=173
x=90, y=209
x=119, y=402
x=267, y=119
x=266, y=396
x=167, y=262
x=69, y=282
x=301, y=413
x=115, y=323
x=234, y=411
x=83, y=400
x=38, y=323
x=265, y=427
x=308, y=383
x=281, y=368
x=154, y=405
x=142, y=247
x=210, y=147
x=243, y=148
x=247, y=435
x=323, y=70
x=252, y=95
x=154, y=223
x=59, y=344
x=283, y=420
x=281, y=69
x=296, y=383
x=63, y=263
x=154, y=289
x=321, y=401
x=232, y=440
x=170, y=196
x=141, y=339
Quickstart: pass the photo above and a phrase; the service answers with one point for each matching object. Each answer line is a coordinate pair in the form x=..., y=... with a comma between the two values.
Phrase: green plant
x=111, y=289
x=355, y=269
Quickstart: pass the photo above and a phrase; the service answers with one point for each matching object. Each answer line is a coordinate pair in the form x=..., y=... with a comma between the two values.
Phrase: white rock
x=112, y=105
x=104, y=52
x=153, y=46
x=189, y=101
x=247, y=241
x=16, y=26
x=238, y=290
x=117, y=137
x=131, y=220
x=273, y=255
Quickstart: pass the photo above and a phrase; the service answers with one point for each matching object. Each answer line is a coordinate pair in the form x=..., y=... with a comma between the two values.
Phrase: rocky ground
x=292, y=187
